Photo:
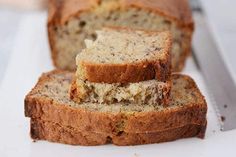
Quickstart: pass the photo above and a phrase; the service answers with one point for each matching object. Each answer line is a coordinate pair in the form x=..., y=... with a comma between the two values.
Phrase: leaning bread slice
x=151, y=92
x=120, y=55
x=44, y=130
x=49, y=101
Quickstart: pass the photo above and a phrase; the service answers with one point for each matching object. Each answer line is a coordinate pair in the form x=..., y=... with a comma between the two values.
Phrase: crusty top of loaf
x=178, y=10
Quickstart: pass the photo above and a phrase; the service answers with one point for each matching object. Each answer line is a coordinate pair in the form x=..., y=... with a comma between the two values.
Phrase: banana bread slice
x=121, y=55
x=49, y=101
x=43, y=130
x=72, y=21
x=150, y=92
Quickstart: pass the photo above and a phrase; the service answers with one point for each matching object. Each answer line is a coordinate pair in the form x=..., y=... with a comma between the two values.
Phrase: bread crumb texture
x=68, y=39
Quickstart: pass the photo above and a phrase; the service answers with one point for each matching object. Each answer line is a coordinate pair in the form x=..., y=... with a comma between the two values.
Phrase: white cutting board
x=30, y=58
x=221, y=16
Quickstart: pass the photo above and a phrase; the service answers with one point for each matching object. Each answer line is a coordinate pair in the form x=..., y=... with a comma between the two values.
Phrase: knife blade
x=219, y=81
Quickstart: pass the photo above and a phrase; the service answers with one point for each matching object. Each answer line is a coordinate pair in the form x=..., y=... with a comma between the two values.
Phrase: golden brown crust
x=178, y=10
x=74, y=93
x=137, y=122
x=127, y=73
x=61, y=10
x=43, y=130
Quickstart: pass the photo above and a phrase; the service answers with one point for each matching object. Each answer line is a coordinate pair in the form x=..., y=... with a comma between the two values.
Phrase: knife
x=219, y=81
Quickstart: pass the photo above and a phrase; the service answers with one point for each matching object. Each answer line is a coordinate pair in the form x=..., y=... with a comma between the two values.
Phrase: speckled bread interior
x=122, y=55
x=49, y=101
x=72, y=21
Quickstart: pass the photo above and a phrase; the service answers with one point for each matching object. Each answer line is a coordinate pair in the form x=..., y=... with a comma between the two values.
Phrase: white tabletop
x=9, y=21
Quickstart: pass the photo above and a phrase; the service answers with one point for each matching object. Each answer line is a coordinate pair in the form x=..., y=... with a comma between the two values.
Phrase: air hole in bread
x=94, y=36
x=120, y=133
x=82, y=24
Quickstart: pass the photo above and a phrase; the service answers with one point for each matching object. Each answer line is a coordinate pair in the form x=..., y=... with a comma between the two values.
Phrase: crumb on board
x=225, y=106
x=222, y=118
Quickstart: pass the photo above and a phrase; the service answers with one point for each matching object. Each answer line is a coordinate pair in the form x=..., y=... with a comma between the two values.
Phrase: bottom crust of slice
x=42, y=130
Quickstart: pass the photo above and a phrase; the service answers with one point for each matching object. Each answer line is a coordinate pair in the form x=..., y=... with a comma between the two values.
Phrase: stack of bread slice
x=123, y=93
x=124, y=66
